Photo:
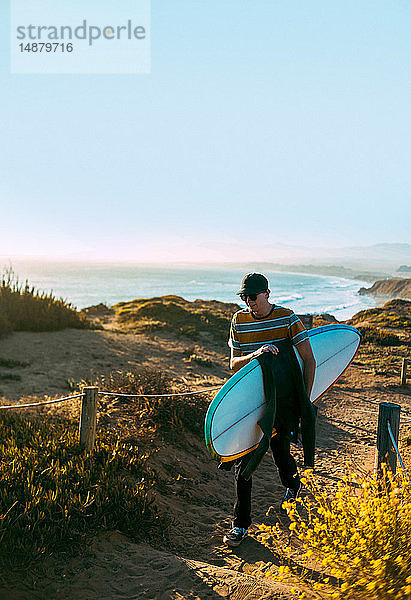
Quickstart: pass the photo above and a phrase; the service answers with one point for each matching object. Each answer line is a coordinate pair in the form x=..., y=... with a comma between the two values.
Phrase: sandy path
x=56, y=358
x=194, y=564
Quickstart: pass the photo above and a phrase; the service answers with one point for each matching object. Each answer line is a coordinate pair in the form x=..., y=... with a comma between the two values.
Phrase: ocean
x=87, y=284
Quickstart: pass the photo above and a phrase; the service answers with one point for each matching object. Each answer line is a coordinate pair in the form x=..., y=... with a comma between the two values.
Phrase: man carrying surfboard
x=262, y=328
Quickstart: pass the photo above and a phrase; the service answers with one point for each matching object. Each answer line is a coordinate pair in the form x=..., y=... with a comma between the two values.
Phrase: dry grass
x=23, y=308
x=379, y=337
x=172, y=314
x=166, y=416
x=395, y=314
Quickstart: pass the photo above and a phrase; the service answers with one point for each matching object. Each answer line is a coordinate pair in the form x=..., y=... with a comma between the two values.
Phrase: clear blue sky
x=261, y=122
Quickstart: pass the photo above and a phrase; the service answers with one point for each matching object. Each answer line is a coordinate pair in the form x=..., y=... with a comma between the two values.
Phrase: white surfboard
x=231, y=428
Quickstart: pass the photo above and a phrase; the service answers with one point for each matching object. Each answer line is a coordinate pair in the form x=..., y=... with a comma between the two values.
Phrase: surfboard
x=231, y=428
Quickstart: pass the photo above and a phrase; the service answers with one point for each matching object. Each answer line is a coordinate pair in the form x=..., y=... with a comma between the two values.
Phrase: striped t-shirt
x=249, y=333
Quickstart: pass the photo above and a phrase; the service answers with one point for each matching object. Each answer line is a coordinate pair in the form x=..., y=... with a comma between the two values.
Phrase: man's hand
x=266, y=348
x=237, y=360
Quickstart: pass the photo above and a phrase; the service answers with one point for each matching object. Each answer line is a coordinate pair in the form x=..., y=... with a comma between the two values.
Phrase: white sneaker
x=235, y=536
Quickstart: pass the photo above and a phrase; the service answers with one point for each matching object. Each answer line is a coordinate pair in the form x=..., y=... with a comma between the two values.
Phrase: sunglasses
x=252, y=297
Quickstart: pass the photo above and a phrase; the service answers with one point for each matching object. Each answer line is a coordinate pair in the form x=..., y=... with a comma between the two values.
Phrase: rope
x=330, y=418
x=107, y=394
x=41, y=403
x=372, y=404
x=396, y=450
x=157, y=395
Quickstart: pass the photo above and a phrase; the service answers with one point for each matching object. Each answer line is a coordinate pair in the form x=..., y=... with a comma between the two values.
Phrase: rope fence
x=387, y=438
x=396, y=450
x=41, y=403
x=387, y=431
x=369, y=413
x=172, y=395
x=88, y=413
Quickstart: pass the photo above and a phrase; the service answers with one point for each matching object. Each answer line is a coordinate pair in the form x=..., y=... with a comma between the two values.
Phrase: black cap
x=253, y=283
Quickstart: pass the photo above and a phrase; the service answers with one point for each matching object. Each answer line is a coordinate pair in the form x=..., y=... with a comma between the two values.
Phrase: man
x=254, y=331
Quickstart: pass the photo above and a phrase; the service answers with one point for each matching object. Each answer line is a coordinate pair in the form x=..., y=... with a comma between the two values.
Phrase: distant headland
x=389, y=288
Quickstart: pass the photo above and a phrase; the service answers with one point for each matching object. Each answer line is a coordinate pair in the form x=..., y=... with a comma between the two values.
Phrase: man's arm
x=306, y=353
x=238, y=360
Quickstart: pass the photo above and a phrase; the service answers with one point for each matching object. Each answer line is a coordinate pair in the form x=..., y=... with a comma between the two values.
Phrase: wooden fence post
x=88, y=418
x=404, y=371
x=385, y=451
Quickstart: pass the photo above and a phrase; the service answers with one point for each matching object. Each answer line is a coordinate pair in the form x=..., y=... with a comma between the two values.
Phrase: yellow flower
x=283, y=569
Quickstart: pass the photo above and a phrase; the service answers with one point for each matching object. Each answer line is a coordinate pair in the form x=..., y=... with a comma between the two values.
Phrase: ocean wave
x=289, y=298
x=87, y=284
x=340, y=306
x=344, y=285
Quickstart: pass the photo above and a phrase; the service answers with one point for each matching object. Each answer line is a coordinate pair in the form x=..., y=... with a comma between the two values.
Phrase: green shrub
x=167, y=415
x=172, y=314
x=10, y=377
x=379, y=337
x=11, y=364
x=5, y=325
x=52, y=496
x=395, y=314
x=189, y=331
x=23, y=308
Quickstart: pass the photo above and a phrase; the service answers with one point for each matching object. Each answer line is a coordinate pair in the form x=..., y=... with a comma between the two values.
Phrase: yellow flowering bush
x=354, y=543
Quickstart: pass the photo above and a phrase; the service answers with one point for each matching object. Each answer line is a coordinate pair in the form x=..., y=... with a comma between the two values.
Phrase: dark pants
x=287, y=470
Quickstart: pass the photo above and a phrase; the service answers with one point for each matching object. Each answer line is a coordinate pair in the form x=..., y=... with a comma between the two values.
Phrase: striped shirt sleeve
x=233, y=339
x=296, y=330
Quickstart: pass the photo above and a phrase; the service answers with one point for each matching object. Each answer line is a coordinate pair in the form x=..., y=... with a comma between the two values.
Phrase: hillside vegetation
x=394, y=315
x=358, y=538
x=53, y=496
x=23, y=308
x=174, y=315
x=389, y=325
x=201, y=320
x=56, y=496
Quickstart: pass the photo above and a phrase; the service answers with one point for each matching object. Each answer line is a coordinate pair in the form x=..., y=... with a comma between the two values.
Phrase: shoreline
x=84, y=285
x=340, y=290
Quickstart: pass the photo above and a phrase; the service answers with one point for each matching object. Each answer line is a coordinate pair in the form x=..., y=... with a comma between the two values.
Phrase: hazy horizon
x=383, y=254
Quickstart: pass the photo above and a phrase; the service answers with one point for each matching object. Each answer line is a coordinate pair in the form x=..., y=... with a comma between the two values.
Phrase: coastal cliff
x=391, y=288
